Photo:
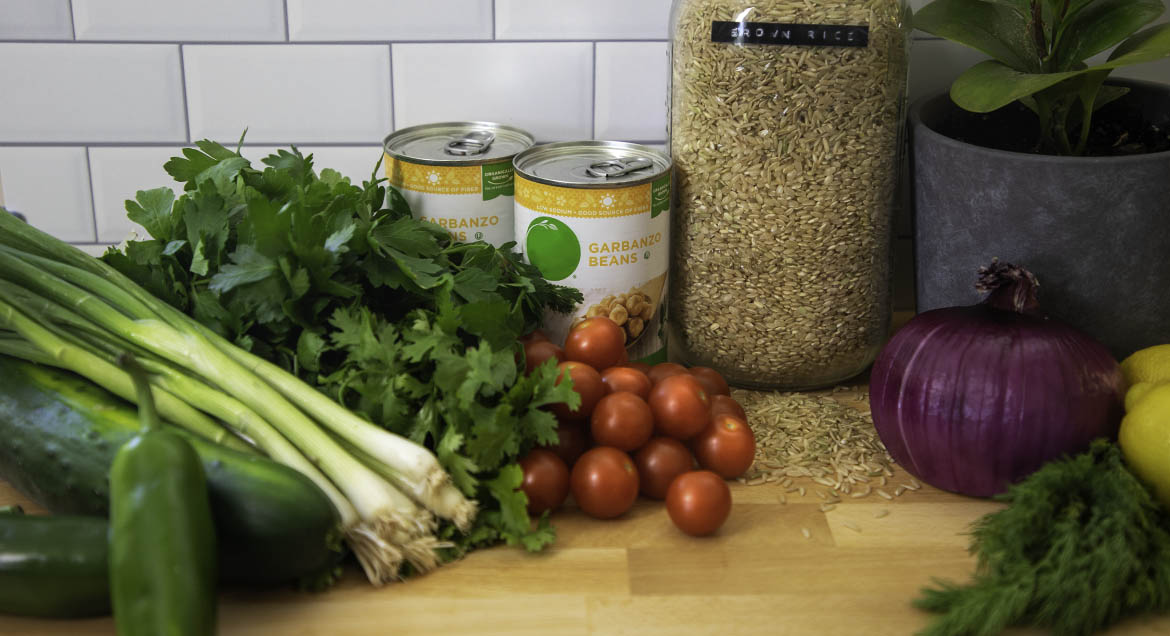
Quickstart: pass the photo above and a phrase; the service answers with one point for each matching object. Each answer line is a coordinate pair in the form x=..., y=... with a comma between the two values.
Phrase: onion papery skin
x=972, y=399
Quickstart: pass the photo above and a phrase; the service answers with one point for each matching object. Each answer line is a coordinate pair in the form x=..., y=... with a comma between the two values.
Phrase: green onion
x=86, y=312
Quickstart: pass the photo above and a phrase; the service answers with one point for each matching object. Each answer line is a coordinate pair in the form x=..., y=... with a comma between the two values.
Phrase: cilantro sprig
x=340, y=285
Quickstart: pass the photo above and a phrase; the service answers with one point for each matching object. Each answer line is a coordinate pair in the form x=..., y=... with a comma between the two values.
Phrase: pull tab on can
x=618, y=167
x=473, y=143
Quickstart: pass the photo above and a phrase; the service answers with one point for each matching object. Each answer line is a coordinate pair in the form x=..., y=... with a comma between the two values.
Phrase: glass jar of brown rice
x=785, y=131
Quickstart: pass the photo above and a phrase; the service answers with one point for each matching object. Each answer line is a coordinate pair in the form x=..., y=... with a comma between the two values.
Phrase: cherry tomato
x=726, y=405
x=727, y=446
x=664, y=370
x=536, y=352
x=626, y=379
x=622, y=420
x=546, y=480
x=587, y=383
x=680, y=406
x=659, y=462
x=712, y=381
x=572, y=441
x=536, y=335
x=641, y=366
x=604, y=482
x=598, y=342
x=698, y=502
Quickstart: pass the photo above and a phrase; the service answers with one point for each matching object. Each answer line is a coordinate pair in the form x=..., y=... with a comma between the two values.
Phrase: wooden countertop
x=639, y=575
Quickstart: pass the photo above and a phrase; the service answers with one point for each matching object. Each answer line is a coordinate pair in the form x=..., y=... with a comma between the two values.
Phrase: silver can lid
x=457, y=143
x=591, y=164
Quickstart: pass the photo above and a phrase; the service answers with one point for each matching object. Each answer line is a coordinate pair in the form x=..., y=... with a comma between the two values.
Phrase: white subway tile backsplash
x=91, y=93
x=355, y=162
x=118, y=173
x=544, y=88
x=631, y=90
x=113, y=107
x=50, y=187
x=177, y=20
x=381, y=20
x=35, y=20
x=93, y=249
x=280, y=93
x=582, y=19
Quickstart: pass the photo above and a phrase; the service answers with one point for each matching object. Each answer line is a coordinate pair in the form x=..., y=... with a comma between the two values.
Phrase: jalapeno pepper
x=162, y=541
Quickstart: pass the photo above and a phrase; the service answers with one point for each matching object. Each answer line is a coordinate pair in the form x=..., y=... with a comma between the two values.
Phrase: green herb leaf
x=1082, y=545
x=152, y=209
x=419, y=333
x=247, y=266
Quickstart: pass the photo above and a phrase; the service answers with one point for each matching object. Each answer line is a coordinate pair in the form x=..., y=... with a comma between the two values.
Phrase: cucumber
x=60, y=434
x=54, y=567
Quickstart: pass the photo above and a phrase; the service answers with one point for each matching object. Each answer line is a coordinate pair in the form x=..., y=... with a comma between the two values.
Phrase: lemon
x=1151, y=364
x=1145, y=439
x=1135, y=393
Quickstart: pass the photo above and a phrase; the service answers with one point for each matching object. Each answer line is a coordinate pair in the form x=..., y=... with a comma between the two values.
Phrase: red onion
x=971, y=399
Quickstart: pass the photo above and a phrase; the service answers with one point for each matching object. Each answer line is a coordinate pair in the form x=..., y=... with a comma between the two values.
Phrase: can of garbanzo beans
x=595, y=215
x=458, y=175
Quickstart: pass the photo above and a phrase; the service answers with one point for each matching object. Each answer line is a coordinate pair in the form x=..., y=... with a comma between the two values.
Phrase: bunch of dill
x=1082, y=545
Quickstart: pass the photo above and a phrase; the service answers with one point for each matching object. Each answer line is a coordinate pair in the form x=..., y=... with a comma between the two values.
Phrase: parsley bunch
x=385, y=313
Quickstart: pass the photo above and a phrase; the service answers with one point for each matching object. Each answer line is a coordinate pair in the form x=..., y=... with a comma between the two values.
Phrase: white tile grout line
x=334, y=42
x=72, y=21
x=393, y=91
x=493, y=19
x=180, y=142
x=92, y=201
x=593, y=98
x=183, y=81
x=916, y=37
x=286, y=37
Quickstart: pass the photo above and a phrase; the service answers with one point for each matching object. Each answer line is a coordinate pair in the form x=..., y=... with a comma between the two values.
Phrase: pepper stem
x=147, y=414
x=1009, y=288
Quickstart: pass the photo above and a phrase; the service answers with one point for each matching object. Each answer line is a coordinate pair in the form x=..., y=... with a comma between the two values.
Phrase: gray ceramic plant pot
x=1094, y=230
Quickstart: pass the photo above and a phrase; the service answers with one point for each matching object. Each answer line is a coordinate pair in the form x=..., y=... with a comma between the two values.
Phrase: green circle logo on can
x=552, y=247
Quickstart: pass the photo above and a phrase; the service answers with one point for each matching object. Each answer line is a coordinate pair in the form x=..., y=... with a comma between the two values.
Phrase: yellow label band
x=582, y=202
x=434, y=179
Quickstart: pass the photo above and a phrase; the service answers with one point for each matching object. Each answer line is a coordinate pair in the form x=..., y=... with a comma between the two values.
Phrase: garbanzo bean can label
x=596, y=216
x=458, y=175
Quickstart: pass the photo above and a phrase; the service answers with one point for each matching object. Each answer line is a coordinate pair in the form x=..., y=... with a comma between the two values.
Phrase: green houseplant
x=1037, y=157
x=1039, y=51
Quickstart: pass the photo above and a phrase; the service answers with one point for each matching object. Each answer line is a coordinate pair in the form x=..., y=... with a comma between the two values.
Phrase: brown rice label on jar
x=610, y=243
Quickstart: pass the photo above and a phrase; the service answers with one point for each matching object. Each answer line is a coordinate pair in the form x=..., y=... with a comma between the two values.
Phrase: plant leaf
x=998, y=30
x=1108, y=95
x=1099, y=26
x=1145, y=46
x=991, y=84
